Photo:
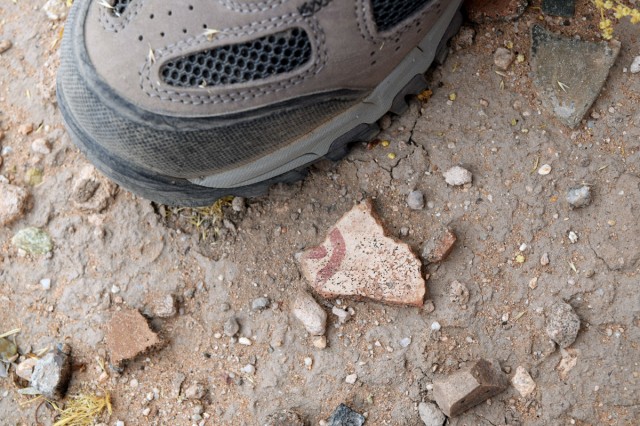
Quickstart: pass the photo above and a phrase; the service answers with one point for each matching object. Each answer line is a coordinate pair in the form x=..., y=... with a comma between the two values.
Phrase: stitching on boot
x=252, y=7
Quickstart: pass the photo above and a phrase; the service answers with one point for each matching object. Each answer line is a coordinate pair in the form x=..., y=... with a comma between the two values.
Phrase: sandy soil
x=134, y=253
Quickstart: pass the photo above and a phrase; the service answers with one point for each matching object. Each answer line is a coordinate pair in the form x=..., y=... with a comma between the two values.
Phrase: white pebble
x=119, y=423
x=133, y=383
x=457, y=176
x=523, y=247
x=249, y=369
x=146, y=411
x=45, y=283
x=405, y=342
x=351, y=379
x=573, y=237
x=635, y=65
x=544, y=170
x=244, y=341
x=115, y=289
x=308, y=362
x=435, y=326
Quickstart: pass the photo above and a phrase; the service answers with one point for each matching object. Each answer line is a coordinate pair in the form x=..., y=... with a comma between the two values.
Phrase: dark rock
x=569, y=73
x=565, y=8
x=345, y=416
x=52, y=373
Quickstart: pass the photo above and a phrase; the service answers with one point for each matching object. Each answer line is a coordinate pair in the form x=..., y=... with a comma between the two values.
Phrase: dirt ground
x=134, y=253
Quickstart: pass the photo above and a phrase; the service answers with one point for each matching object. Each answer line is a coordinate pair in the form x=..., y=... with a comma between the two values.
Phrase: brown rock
x=13, y=202
x=358, y=259
x=480, y=11
x=4, y=46
x=128, y=335
x=468, y=388
x=438, y=249
x=92, y=192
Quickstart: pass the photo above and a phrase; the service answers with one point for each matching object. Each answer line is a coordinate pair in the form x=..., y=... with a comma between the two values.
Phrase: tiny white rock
x=115, y=289
x=351, y=379
x=45, y=283
x=405, y=342
x=544, y=170
x=573, y=237
x=435, y=326
x=249, y=369
x=635, y=65
x=244, y=341
x=457, y=176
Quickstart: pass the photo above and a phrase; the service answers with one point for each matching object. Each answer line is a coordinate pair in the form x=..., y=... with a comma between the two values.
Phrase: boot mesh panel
x=389, y=13
x=119, y=6
x=205, y=147
x=240, y=63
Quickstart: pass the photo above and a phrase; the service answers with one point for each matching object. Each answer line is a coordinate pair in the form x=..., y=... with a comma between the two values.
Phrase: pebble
x=146, y=411
x=195, y=391
x=430, y=414
x=244, y=341
x=231, y=327
x=310, y=314
x=503, y=57
x=133, y=383
x=343, y=316
x=320, y=342
x=523, y=382
x=344, y=415
x=249, y=369
x=13, y=203
x=238, y=204
x=544, y=170
x=56, y=10
x=33, y=241
x=405, y=342
x=634, y=68
x=573, y=237
x=52, y=373
x=164, y=307
x=579, y=197
x=435, y=326
x=457, y=176
x=5, y=45
x=41, y=146
x=119, y=423
x=351, y=379
x=115, y=289
x=544, y=259
x=533, y=283
x=45, y=283
x=25, y=129
x=260, y=303
x=415, y=200
x=562, y=324
x=25, y=368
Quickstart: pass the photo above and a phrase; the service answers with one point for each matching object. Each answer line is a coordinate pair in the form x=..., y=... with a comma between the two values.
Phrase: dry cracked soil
x=113, y=251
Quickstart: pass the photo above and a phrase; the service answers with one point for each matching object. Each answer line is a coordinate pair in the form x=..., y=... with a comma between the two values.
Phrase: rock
x=176, y=384
x=164, y=307
x=345, y=416
x=13, y=203
x=41, y=146
x=52, y=373
x=480, y=11
x=245, y=341
x=568, y=361
x=231, y=327
x=33, y=241
x=415, y=200
x=56, y=10
x=503, y=58
x=195, y=391
x=260, y=303
x=238, y=204
x=635, y=65
x=92, y=193
x=351, y=379
x=569, y=73
x=24, y=370
x=457, y=176
x=284, y=418
x=579, y=197
x=464, y=38
x=8, y=350
x=562, y=324
x=544, y=259
x=25, y=129
x=564, y=8
x=459, y=293
x=310, y=314
x=343, y=316
x=128, y=335
x=465, y=389
x=45, y=283
x=523, y=382
x=4, y=46
x=438, y=249
x=320, y=342
x=430, y=414
x=359, y=260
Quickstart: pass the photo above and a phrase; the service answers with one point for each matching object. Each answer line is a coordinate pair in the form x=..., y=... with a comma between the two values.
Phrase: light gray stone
x=430, y=414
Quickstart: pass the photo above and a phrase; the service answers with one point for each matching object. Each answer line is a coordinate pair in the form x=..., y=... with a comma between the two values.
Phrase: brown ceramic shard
x=359, y=260
x=128, y=335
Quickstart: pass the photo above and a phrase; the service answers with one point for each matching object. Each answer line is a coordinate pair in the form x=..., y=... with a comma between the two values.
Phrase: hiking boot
x=184, y=102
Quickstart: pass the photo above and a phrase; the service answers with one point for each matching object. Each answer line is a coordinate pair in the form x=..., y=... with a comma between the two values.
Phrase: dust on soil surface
x=132, y=253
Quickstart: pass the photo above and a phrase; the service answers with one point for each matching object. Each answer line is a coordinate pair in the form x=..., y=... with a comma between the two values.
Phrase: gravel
x=562, y=324
x=430, y=414
x=457, y=176
x=503, y=58
x=579, y=197
x=415, y=200
x=231, y=327
x=260, y=303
